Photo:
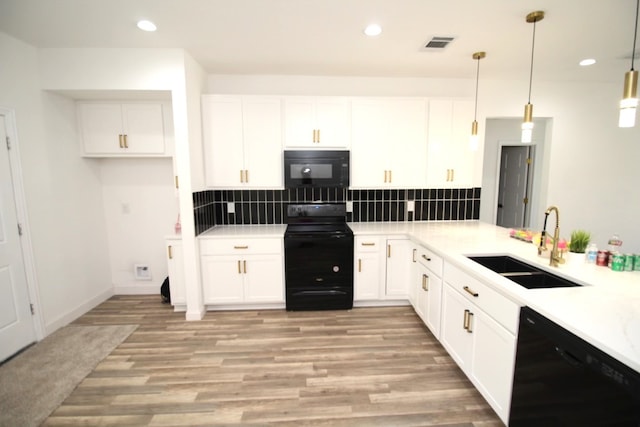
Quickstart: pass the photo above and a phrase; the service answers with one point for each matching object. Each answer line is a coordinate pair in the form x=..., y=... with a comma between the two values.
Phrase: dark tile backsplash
x=269, y=206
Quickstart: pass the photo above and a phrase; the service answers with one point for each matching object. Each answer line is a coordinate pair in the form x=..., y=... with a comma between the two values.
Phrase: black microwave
x=316, y=168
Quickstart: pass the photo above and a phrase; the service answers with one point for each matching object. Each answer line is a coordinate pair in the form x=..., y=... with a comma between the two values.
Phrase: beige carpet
x=34, y=383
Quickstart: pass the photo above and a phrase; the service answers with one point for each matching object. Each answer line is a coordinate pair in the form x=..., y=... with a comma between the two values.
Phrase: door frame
x=21, y=213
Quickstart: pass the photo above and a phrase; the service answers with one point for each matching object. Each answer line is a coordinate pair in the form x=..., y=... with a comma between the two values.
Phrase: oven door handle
x=324, y=292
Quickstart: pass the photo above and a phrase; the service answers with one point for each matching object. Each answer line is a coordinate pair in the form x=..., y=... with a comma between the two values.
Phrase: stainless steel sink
x=524, y=274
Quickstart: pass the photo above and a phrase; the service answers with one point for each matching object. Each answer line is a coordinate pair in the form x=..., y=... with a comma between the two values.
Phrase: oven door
x=316, y=169
x=319, y=271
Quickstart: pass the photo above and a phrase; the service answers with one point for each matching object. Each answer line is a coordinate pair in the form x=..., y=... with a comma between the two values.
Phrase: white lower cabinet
x=381, y=268
x=175, y=267
x=482, y=347
x=242, y=271
x=428, y=285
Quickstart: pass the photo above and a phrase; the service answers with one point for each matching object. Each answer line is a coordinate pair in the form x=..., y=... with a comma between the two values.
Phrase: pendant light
x=527, y=123
x=473, y=141
x=629, y=100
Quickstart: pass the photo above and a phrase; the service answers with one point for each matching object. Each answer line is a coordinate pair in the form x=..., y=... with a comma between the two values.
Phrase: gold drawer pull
x=465, y=321
x=425, y=282
x=388, y=251
x=413, y=256
x=170, y=253
x=470, y=291
x=239, y=269
x=367, y=244
x=241, y=247
x=244, y=263
x=359, y=265
x=469, y=322
x=426, y=257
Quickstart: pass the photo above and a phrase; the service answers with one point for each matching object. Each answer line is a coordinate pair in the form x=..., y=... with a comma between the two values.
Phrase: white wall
x=140, y=206
x=591, y=171
x=62, y=191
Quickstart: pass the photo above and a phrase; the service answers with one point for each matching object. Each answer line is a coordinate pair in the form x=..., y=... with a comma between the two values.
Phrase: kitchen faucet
x=554, y=257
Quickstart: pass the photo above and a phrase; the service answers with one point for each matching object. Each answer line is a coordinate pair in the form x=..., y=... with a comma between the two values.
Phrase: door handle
x=359, y=265
x=425, y=282
x=245, y=266
x=470, y=291
x=239, y=269
x=121, y=140
x=469, y=317
x=465, y=321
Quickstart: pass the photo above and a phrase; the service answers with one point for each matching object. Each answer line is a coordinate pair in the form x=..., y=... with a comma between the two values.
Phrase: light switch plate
x=411, y=205
x=231, y=207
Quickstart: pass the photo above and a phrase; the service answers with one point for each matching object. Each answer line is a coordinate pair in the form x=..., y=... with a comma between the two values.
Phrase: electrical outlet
x=231, y=207
x=349, y=206
x=411, y=205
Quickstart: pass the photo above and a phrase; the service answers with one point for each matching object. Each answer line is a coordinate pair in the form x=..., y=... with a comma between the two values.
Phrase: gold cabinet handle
x=241, y=176
x=170, y=252
x=177, y=184
x=413, y=256
x=465, y=321
x=241, y=247
x=469, y=316
x=425, y=282
x=388, y=251
x=367, y=244
x=453, y=171
x=318, y=140
x=359, y=265
x=470, y=291
x=390, y=176
x=246, y=175
x=244, y=264
x=239, y=270
x=385, y=175
x=426, y=258
x=121, y=140
x=126, y=144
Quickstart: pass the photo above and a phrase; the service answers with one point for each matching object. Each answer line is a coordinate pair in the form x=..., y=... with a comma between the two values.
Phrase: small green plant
x=579, y=241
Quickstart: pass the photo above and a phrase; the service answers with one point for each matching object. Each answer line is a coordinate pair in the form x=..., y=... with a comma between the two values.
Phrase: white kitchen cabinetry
x=382, y=268
x=450, y=158
x=316, y=122
x=370, y=269
x=242, y=271
x=478, y=330
x=388, y=143
x=428, y=283
x=242, y=141
x=175, y=264
x=109, y=129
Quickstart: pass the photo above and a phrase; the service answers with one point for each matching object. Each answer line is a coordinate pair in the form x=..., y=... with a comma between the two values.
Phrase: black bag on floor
x=165, y=292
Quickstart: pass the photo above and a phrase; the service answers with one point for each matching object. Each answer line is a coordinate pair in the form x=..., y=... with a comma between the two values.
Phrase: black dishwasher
x=561, y=380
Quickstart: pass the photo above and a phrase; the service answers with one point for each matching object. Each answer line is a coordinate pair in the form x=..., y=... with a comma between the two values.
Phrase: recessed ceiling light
x=145, y=25
x=587, y=62
x=373, y=30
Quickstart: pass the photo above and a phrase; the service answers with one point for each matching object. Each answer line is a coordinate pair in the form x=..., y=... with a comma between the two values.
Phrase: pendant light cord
x=635, y=35
x=475, y=111
x=533, y=45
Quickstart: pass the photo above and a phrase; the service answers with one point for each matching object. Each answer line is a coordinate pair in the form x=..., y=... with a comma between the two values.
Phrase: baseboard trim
x=72, y=315
x=136, y=289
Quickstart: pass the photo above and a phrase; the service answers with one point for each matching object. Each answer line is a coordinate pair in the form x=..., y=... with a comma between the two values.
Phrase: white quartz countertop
x=604, y=312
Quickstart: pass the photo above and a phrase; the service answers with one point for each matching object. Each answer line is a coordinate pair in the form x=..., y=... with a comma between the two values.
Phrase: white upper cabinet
x=316, y=122
x=242, y=141
x=388, y=143
x=451, y=160
x=109, y=129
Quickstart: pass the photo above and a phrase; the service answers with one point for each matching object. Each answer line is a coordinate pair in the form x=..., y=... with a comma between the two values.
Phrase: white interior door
x=16, y=324
x=513, y=190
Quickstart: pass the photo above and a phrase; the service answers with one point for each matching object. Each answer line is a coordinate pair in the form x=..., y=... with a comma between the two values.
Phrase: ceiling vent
x=438, y=43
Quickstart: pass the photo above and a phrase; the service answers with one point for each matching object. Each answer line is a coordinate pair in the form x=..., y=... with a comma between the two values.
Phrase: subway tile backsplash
x=269, y=206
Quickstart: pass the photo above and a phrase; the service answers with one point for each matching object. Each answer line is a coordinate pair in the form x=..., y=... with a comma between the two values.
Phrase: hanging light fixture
x=473, y=141
x=527, y=123
x=629, y=100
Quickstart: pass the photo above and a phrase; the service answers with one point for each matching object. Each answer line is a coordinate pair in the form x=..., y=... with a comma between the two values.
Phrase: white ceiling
x=324, y=37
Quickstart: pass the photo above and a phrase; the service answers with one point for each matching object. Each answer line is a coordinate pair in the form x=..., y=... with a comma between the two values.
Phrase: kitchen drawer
x=430, y=260
x=240, y=246
x=369, y=244
x=500, y=308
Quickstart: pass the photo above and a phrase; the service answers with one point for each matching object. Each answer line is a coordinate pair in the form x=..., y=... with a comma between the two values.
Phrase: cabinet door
x=262, y=130
x=299, y=122
x=369, y=275
x=332, y=122
x=263, y=278
x=222, y=279
x=454, y=336
x=415, y=277
x=407, y=140
x=433, y=307
x=223, y=140
x=143, y=128
x=398, y=268
x=175, y=266
x=101, y=127
x=369, y=162
x=493, y=362
x=450, y=159
x=422, y=288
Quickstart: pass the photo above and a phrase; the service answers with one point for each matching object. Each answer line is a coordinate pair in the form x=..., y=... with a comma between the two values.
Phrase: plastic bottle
x=591, y=253
x=615, y=243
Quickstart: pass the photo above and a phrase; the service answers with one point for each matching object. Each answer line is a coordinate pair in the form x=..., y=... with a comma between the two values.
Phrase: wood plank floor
x=362, y=367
